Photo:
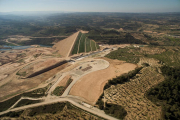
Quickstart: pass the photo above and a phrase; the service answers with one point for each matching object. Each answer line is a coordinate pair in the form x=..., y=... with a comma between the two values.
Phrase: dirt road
x=11, y=42
x=90, y=86
x=103, y=115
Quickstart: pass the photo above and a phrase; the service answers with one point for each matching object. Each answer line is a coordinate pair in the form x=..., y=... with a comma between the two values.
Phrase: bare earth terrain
x=21, y=63
x=90, y=86
x=65, y=46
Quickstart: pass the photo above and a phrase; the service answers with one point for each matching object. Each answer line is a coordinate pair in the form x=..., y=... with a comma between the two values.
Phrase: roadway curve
x=100, y=114
x=50, y=99
x=99, y=66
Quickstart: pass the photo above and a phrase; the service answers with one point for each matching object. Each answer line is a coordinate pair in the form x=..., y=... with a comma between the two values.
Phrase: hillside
x=83, y=44
x=76, y=43
x=64, y=46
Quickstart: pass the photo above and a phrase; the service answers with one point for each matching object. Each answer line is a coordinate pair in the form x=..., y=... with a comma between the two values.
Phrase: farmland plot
x=75, y=49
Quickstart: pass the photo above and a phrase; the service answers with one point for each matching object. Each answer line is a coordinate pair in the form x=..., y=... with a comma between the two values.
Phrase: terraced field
x=75, y=49
x=131, y=95
x=84, y=44
x=88, y=46
x=93, y=45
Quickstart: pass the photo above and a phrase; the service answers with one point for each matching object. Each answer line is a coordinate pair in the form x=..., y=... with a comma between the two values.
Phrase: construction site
x=74, y=71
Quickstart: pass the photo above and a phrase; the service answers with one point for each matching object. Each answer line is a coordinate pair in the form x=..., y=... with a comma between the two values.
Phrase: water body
x=15, y=47
x=20, y=47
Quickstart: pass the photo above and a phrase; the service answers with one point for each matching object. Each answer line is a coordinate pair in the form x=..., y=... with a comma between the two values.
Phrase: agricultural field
x=88, y=46
x=75, y=49
x=93, y=45
x=166, y=94
x=131, y=94
x=165, y=55
x=84, y=44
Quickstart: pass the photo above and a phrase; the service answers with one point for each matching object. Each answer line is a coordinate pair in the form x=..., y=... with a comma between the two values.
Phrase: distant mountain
x=32, y=13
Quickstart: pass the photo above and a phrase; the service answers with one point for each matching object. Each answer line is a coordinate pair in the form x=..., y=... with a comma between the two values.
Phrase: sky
x=131, y=6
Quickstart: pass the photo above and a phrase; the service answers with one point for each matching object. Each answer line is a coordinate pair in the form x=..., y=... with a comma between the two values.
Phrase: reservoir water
x=20, y=47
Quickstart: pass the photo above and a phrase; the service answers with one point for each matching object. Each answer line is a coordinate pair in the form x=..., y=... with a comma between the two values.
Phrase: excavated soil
x=90, y=86
x=17, y=85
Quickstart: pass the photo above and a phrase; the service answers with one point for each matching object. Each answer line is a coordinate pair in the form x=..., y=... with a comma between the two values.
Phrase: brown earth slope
x=65, y=46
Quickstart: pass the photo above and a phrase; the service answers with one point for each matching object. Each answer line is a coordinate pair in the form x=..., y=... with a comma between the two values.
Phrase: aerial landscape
x=89, y=60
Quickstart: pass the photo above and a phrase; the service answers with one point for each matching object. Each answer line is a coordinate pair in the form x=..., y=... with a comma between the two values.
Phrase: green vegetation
x=21, y=74
x=82, y=43
x=145, y=65
x=97, y=46
x=123, y=78
x=52, y=109
x=35, y=93
x=60, y=89
x=27, y=102
x=106, y=36
x=88, y=47
x=115, y=111
x=167, y=93
x=6, y=43
x=12, y=114
x=125, y=55
x=20, y=61
x=63, y=110
x=36, y=55
x=170, y=56
x=75, y=48
x=102, y=27
x=173, y=41
x=111, y=109
x=93, y=45
x=40, y=41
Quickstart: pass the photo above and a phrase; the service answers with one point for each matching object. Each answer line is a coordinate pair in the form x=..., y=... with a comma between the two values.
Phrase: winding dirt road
x=103, y=115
